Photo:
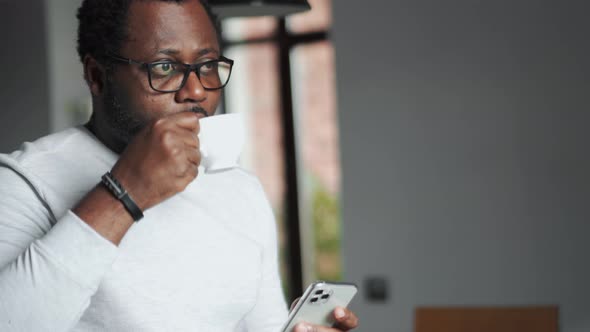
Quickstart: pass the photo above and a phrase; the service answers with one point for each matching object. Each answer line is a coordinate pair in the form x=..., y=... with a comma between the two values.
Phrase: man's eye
x=208, y=67
x=163, y=69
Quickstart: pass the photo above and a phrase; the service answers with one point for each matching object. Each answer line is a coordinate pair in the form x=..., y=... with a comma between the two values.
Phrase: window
x=284, y=83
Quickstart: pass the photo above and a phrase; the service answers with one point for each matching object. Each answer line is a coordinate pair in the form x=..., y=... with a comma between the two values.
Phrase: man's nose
x=192, y=91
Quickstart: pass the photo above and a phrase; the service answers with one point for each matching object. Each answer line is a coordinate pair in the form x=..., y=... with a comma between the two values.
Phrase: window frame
x=285, y=41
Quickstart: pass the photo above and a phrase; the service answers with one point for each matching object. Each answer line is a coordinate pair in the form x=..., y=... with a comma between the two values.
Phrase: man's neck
x=105, y=136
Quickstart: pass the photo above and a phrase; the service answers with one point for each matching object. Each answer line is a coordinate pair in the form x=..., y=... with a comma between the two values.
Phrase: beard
x=122, y=121
x=119, y=120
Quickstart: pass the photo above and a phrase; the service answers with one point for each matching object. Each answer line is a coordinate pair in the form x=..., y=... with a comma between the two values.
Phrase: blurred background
x=433, y=152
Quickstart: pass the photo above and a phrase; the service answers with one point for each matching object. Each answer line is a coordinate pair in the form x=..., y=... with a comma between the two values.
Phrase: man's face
x=160, y=31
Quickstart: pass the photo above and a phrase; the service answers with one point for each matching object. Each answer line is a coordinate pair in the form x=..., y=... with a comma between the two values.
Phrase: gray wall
x=23, y=88
x=43, y=89
x=466, y=168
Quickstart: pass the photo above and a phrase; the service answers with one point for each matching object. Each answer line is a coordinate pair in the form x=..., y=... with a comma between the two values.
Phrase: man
x=74, y=254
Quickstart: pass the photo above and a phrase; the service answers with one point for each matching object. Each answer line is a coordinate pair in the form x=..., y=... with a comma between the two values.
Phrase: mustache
x=198, y=110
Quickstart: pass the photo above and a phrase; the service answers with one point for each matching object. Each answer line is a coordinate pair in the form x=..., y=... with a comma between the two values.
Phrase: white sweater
x=203, y=260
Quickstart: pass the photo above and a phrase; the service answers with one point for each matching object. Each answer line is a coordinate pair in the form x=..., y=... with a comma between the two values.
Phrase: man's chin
x=124, y=135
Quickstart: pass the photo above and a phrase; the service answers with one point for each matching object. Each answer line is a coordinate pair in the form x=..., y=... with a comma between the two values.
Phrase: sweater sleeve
x=47, y=273
x=270, y=311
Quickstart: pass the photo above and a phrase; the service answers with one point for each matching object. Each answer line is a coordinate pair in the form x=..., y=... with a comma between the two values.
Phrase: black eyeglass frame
x=189, y=68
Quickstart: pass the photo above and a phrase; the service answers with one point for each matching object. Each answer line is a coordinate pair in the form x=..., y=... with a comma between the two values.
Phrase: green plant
x=327, y=233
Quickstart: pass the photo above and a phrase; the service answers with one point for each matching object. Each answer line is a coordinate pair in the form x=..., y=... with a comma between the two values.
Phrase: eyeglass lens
x=169, y=76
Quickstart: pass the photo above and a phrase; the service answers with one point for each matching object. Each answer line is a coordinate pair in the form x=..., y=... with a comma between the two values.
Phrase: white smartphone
x=318, y=302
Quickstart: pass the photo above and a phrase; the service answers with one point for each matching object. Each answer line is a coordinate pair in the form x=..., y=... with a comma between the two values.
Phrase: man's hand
x=346, y=320
x=161, y=160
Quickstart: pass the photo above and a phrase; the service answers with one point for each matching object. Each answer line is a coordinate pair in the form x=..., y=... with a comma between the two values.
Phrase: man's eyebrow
x=168, y=51
x=207, y=51
x=172, y=51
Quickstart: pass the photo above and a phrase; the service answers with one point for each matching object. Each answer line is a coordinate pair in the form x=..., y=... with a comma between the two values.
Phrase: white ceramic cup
x=222, y=140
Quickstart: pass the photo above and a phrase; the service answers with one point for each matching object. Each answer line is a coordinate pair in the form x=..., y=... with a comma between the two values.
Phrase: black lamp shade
x=244, y=8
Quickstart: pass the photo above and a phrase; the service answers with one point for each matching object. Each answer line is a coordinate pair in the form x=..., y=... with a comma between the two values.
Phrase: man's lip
x=201, y=113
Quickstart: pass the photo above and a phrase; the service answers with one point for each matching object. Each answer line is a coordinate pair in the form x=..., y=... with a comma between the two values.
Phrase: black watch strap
x=109, y=181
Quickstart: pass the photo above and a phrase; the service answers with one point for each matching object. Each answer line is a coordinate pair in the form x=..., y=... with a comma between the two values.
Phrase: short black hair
x=102, y=26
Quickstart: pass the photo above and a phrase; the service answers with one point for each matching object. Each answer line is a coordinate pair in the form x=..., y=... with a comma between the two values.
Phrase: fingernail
x=339, y=313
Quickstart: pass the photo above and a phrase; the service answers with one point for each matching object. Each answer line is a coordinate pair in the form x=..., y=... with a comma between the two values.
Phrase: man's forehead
x=169, y=27
x=154, y=13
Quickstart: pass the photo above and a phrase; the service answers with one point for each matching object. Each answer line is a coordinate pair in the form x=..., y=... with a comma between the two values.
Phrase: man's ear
x=95, y=75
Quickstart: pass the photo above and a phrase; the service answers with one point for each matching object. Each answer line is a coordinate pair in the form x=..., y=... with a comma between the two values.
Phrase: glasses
x=169, y=76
